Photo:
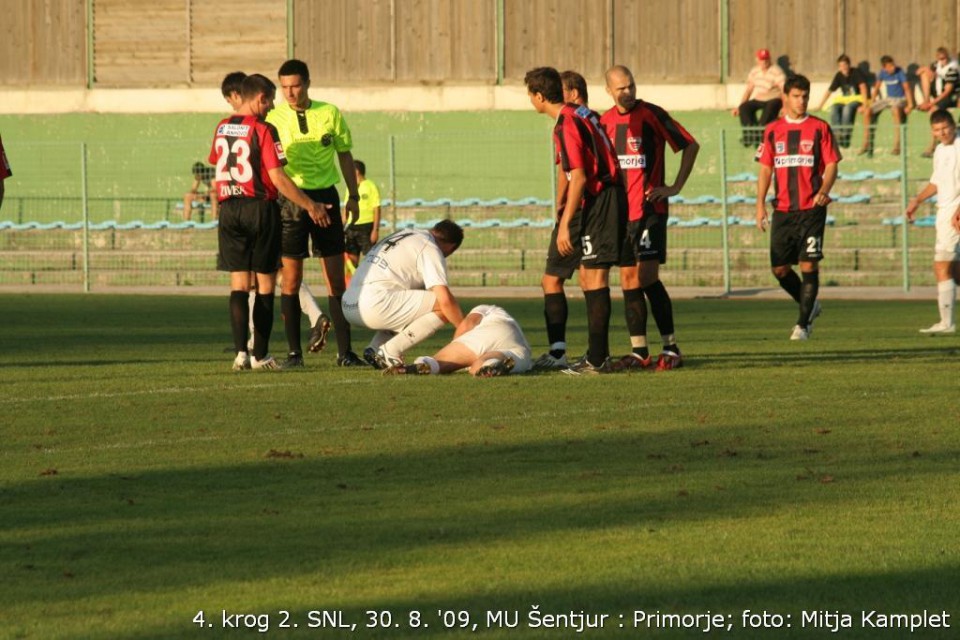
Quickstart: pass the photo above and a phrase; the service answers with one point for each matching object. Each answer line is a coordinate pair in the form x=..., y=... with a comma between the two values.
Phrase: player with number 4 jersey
x=640, y=132
x=799, y=151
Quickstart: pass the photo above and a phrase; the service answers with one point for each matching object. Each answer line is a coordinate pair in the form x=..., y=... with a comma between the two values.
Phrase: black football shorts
x=797, y=236
x=248, y=235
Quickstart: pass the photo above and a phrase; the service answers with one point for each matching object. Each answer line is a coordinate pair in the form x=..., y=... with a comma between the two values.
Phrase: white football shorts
x=387, y=309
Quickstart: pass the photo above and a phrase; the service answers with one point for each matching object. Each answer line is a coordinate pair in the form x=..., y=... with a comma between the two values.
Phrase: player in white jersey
x=400, y=290
x=945, y=183
x=488, y=341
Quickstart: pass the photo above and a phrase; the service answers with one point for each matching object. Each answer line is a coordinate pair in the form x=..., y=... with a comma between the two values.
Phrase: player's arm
x=317, y=211
x=575, y=187
x=928, y=190
x=822, y=197
x=447, y=305
x=349, y=172
x=687, y=158
x=562, y=186
x=375, y=232
x=469, y=323
x=763, y=185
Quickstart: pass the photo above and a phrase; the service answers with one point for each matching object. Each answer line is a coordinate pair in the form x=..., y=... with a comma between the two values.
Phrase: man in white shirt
x=763, y=93
x=945, y=183
x=400, y=290
x=489, y=342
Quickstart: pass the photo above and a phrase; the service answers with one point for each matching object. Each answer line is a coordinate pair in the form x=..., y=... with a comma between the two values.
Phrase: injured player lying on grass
x=488, y=342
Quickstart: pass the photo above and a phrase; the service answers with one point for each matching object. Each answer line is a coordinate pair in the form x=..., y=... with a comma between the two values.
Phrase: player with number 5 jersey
x=249, y=159
x=799, y=151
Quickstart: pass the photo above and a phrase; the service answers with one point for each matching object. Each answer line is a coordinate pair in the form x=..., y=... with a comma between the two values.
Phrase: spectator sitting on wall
x=763, y=94
x=202, y=178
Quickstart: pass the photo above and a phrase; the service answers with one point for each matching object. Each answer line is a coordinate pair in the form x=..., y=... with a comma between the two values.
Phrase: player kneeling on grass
x=945, y=183
x=488, y=341
x=401, y=291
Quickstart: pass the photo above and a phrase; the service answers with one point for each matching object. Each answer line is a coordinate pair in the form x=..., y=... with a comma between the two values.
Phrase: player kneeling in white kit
x=400, y=291
x=488, y=341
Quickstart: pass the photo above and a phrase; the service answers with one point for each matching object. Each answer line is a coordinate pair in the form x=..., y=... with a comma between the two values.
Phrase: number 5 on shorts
x=587, y=246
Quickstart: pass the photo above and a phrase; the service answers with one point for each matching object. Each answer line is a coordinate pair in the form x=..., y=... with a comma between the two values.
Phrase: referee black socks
x=290, y=311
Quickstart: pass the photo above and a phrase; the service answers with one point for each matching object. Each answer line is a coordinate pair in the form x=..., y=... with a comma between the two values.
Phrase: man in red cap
x=763, y=93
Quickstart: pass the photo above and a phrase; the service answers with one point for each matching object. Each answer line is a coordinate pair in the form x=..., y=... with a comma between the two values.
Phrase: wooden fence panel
x=344, y=41
x=556, y=33
x=45, y=41
x=446, y=41
x=141, y=44
x=907, y=32
x=801, y=35
x=244, y=35
x=668, y=41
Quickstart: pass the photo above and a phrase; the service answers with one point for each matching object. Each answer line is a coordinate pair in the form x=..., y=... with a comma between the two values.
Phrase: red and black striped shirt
x=798, y=152
x=581, y=144
x=640, y=137
x=245, y=149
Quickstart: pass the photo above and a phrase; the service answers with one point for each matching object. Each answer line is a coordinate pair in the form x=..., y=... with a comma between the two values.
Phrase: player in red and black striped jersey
x=800, y=152
x=640, y=132
x=592, y=221
x=249, y=160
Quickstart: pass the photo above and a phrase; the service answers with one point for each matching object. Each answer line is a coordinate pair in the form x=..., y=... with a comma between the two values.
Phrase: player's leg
x=946, y=269
x=493, y=364
x=810, y=253
x=266, y=257
x=634, y=302
x=557, y=271
x=240, y=308
x=651, y=250
x=414, y=316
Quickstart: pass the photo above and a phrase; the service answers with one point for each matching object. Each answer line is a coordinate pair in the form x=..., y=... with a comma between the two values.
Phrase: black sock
x=635, y=309
x=555, y=313
x=791, y=284
x=262, y=324
x=661, y=307
x=290, y=312
x=808, y=296
x=598, y=325
x=340, y=325
x=239, y=312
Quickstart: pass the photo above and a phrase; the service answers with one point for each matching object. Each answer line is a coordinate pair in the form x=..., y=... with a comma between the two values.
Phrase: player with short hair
x=799, y=150
x=401, y=291
x=592, y=210
x=314, y=133
x=640, y=132
x=231, y=87
x=945, y=184
x=555, y=308
x=489, y=342
x=361, y=234
x=249, y=160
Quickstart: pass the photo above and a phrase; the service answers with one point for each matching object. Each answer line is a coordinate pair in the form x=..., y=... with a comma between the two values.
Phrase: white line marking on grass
x=150, y=392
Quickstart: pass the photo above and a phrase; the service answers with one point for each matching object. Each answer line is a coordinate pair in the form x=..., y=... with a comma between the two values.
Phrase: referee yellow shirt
x=311, y=141
x=369, y=200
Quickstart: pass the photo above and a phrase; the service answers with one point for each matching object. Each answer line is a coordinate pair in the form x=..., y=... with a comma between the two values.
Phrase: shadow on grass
x=293, y=517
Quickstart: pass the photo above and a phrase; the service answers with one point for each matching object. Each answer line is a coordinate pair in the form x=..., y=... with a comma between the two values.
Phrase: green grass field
x=142, y=482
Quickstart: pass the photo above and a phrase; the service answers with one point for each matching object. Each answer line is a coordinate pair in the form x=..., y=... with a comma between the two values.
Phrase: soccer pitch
x=770, y=489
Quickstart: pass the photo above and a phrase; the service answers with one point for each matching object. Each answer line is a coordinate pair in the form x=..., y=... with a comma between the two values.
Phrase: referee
x=313, y=133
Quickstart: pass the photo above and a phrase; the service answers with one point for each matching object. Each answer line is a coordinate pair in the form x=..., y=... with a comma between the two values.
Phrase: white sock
x=558, y=346
x=434, y=365
x=308, y=304
x=379, y=338
x=414, y=333
x=946, y=294
x=253, y=303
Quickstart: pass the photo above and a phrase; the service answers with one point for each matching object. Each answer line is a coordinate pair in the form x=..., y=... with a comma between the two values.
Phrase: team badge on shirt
x=759, y=152
x=781, y=147
x=806, y=146
x=635, y=144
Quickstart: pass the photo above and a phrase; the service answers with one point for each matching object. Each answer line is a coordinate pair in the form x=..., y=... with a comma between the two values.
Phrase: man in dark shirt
x=854, y=98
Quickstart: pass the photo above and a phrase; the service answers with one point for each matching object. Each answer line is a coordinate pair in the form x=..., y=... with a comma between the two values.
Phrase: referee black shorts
x=299, y=229
x=248, y=235
x=797, y=236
